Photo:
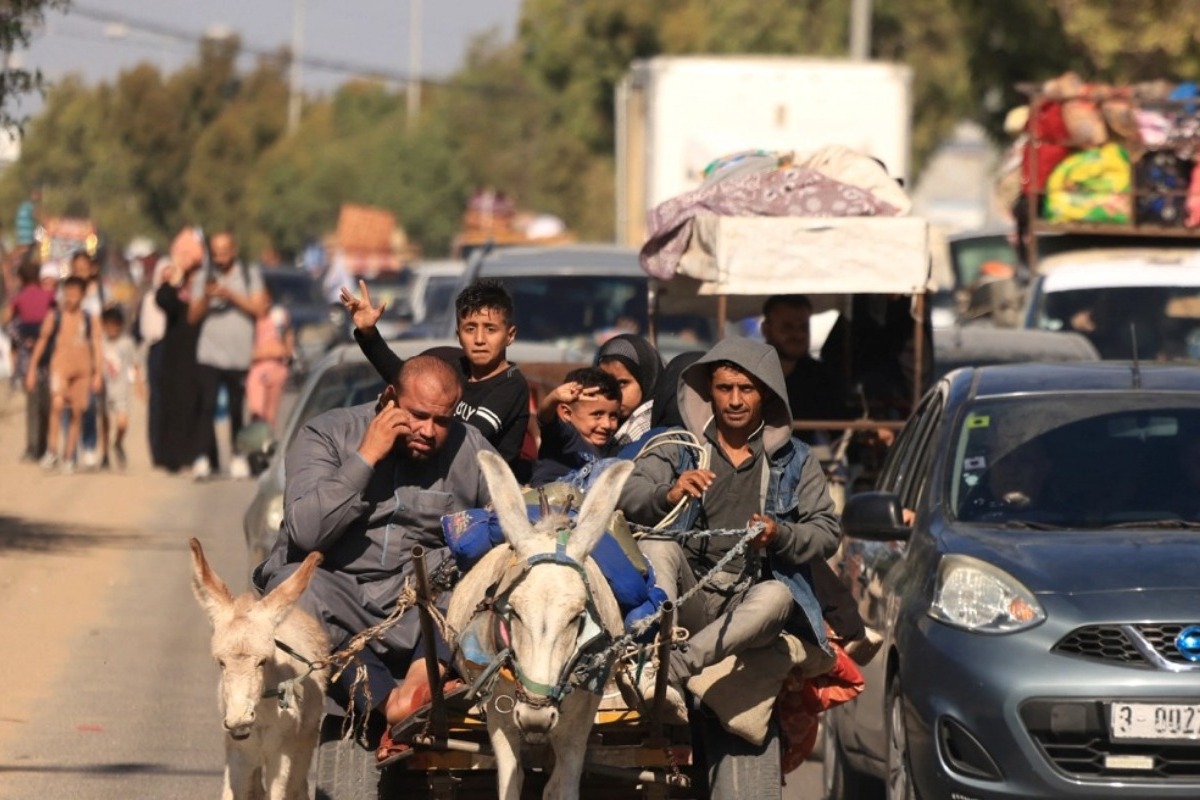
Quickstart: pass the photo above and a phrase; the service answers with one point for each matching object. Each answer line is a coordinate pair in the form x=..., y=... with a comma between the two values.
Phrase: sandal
x=393, y=742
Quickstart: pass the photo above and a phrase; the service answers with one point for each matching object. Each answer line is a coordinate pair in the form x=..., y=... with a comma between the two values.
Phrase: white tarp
x=808, y=255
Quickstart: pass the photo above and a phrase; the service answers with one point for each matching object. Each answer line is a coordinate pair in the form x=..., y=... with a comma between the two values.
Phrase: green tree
x=17, y=22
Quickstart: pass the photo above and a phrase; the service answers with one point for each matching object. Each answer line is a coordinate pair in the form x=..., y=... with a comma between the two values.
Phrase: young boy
x=578, y=420
x=120, y=370
x=495, y=396
x=74, y=341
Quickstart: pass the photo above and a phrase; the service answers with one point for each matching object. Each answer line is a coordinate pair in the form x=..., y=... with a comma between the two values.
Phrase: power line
x=180, y=34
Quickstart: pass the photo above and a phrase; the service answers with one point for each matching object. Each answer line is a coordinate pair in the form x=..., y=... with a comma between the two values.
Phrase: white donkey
x=545, y=599
x=271, y=699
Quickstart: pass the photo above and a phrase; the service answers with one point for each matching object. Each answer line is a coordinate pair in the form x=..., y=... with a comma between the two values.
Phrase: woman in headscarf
x=637, y=366
x=665, y=413
x=180, y=414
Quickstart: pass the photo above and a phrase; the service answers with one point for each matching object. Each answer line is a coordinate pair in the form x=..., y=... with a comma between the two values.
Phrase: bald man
x=364, y=485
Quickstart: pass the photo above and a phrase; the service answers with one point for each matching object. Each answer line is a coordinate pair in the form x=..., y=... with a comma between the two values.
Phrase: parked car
x=572, y=297
x=318, y=325
x=343, y=378
x=984, y=345
x=394, y=289
x=435, y=284
x=1040, y=616
x=1122, y=299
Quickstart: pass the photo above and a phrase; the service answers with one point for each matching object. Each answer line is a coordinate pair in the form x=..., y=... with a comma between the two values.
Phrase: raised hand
x=364, y=315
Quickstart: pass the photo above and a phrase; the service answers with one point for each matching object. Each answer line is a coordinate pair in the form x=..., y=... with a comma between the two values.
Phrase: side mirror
x=875, y=516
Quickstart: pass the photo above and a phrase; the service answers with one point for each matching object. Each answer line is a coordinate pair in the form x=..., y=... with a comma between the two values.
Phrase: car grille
x=1074, y=738
x=1150, y=646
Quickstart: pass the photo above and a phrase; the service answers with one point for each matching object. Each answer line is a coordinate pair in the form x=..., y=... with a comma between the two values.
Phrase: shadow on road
x=107, y=769
x=30, y=536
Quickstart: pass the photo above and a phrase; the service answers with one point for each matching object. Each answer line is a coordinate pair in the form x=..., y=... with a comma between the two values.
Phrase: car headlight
x=976, y=596
x=273, y=518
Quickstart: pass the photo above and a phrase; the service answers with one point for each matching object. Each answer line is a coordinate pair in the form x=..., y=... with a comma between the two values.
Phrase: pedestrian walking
x=73, y=338
x=274, y=344
x=227, y=300
x=24, y=317
x=121, y=373
x=151, y=327
x=179, y=383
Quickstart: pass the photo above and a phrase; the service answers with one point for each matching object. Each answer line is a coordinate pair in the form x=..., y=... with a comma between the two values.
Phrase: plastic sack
x=801, y=701
x=1193, y=199
x=1092, y=186
x=1162, y=179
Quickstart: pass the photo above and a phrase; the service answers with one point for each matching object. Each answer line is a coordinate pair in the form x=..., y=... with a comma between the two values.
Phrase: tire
x=737, y=769
x=899, y=761
x=345, y=770
x=839, y=780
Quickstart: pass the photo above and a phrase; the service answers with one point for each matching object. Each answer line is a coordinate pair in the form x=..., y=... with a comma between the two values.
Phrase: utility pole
x=414, y=63
x=860, y=30
x=294, y=93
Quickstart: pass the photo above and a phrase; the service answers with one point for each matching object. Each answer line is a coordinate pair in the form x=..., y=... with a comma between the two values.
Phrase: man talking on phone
x=364, y=486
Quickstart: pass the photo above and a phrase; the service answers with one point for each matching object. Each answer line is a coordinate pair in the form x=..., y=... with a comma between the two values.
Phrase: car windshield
x=340, y=386
x=1095, y=461
x=291, y=288
x=1164, y=319
x=574, y=308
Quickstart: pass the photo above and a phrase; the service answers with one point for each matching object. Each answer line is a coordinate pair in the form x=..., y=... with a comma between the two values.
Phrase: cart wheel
x=738, y=770
x=345, y=770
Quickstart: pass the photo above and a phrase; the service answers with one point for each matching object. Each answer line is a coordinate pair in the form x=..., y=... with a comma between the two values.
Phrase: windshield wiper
x=1161, y=524
x=1031, y=525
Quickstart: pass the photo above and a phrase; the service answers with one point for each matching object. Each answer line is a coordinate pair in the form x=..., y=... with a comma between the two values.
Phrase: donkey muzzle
x=535, y=721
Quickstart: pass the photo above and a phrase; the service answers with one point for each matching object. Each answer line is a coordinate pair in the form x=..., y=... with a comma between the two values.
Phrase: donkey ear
x=506, y=498
x=597, y=510
x=211, y=592
x=279, y=602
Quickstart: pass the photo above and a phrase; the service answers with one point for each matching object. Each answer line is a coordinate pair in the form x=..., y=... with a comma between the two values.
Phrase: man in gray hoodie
x=364, y=486
x=734, y=401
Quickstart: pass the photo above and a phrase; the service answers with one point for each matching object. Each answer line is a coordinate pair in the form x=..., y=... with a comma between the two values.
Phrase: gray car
x=1041, y=614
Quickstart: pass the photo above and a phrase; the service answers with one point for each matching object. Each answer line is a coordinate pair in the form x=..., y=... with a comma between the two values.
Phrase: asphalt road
x=110, y=692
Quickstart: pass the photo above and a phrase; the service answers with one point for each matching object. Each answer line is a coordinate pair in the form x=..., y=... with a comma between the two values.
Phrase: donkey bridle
x=528, y=691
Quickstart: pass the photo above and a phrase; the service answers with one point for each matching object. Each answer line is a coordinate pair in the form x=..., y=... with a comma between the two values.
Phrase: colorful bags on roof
x=1091, y=186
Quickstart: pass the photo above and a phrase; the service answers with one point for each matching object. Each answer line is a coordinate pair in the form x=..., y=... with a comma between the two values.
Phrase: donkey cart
x=630, y=752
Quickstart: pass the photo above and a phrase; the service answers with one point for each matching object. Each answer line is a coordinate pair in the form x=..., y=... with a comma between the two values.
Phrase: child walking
x=120, y=374
x=74, y=342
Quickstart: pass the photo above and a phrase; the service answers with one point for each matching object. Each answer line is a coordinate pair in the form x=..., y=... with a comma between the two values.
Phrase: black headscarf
x=665, y=413
x=638, y=356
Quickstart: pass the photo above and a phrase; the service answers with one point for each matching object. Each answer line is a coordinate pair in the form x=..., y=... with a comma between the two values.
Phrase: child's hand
x=567, y=393
x=30, y=381
x=364, y=315
x=97, y=383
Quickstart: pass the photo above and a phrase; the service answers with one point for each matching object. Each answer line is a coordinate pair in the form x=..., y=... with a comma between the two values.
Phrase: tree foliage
x=18, y=18
x=150, y=152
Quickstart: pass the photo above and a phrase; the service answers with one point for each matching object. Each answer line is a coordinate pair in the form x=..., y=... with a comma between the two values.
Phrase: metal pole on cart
x=919, y=348
x=437, y=714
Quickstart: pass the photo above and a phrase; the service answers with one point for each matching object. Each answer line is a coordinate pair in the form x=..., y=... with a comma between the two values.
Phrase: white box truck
x=675, y=114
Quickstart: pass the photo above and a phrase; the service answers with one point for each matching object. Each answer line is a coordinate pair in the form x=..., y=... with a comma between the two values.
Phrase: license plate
x=1155, y=721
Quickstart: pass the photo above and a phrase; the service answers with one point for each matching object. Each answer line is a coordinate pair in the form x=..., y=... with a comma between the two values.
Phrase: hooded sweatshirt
x=645, y=365
x=807, y=527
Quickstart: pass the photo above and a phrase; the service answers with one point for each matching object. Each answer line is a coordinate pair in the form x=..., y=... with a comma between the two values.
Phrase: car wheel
x=899, y=774
x=839, y=780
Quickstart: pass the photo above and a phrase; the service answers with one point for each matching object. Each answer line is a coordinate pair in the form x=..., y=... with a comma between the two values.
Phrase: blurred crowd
x=192, y=334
